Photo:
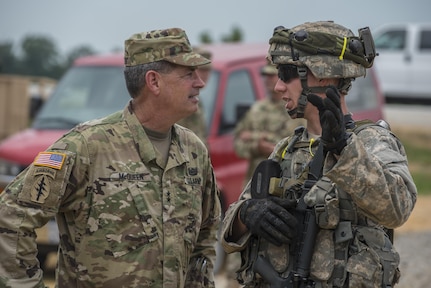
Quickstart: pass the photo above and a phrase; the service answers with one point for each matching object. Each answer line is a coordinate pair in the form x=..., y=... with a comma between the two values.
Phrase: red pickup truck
x=94, y=87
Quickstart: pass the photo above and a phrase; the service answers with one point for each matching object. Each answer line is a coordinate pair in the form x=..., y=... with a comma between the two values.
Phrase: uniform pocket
x=122, y=222
x=322, y=263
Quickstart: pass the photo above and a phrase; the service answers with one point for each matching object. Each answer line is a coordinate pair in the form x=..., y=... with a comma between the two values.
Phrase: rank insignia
x=50, y=159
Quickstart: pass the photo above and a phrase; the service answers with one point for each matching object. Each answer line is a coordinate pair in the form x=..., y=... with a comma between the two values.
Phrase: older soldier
x=317, y=212
x=266, y=123
x=133, y=193
x=196, y=121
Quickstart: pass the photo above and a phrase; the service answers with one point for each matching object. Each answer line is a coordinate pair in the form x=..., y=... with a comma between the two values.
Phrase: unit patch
x=50, y=159
x=192, y=178
x=40, y=189
x=47, y=180
x=42, y=184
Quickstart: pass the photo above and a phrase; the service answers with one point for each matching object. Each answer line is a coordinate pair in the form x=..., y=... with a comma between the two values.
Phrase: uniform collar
x=143, y=144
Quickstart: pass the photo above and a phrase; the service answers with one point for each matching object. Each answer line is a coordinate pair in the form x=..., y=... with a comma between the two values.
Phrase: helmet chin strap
x=303, y=98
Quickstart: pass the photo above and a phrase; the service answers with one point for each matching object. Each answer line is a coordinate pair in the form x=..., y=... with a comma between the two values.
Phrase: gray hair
x=135, y=75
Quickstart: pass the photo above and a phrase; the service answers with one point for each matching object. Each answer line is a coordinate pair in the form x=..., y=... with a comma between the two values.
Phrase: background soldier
x=264, y=124
x=359, y=176
x=134, y=195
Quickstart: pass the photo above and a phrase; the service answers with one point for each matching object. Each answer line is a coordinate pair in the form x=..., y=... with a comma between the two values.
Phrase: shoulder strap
x=362, y=124
x=316, y=165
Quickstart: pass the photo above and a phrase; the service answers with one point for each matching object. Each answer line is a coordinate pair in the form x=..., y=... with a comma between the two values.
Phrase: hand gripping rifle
x=307, y=228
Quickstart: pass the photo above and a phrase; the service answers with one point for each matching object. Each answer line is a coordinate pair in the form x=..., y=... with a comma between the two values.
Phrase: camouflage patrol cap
x=206, y=54
x=171, y=45
x=321, y=47
x=269, y=69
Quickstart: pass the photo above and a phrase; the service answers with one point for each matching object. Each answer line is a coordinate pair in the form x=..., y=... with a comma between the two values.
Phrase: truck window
x=84, y=93
x=239, y=91
x=392, y=40
x=425, y=40
x=208, y=96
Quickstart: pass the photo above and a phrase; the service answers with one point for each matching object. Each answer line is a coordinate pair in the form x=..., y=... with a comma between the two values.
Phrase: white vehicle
x=404, y=62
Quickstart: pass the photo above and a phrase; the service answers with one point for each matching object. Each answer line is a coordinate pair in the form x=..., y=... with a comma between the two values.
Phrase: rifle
x=307, y=227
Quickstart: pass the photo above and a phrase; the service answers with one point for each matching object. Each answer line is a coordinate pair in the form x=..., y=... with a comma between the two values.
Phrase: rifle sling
x=316, y=165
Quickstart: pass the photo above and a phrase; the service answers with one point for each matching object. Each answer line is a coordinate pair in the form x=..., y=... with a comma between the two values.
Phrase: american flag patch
x=50, y=159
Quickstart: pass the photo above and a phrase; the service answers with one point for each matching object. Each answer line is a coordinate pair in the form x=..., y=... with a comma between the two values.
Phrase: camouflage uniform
x=375, y=154
x=364, y=190
x=124, y=221
x=265, y=118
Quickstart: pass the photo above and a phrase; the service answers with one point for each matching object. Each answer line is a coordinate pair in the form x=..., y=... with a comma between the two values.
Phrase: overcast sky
x=105, y=24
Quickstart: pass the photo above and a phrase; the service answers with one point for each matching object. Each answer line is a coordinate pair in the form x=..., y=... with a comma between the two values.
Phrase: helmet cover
x=327, y=49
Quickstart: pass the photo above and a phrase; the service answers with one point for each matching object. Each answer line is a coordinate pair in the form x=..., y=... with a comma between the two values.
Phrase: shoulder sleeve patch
x=50, y=159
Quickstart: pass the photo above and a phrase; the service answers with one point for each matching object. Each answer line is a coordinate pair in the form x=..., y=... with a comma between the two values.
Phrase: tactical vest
x=335, y=213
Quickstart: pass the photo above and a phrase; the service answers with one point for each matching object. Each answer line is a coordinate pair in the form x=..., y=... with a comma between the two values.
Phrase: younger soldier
x=354, y=176
x=134, y=194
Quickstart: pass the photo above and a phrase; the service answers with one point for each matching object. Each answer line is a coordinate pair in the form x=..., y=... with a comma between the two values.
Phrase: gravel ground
x=413, y=242
x=415, y=254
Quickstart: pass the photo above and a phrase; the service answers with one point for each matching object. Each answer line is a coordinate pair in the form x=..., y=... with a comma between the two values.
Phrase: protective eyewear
x=287, y=72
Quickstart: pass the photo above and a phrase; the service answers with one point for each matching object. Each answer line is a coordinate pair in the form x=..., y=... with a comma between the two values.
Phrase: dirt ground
x=420, y=219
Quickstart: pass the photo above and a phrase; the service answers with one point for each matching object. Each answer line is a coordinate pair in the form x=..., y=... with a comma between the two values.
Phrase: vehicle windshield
x=83, y=94
x=208, y=96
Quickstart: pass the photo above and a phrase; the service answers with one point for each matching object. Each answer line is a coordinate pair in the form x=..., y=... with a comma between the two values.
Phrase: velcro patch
x=50, y=159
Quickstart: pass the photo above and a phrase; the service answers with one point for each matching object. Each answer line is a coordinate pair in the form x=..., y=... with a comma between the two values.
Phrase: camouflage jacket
x=372, y=175
x=123, y=220
x=265, y=118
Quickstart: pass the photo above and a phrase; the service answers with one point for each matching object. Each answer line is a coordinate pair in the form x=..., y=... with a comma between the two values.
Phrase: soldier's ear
x=152, y=80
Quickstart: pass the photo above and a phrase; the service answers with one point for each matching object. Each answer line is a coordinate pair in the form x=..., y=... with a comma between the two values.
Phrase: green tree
x=236, y=35
x=205, y=37
x=8, y=60
x=39, y=56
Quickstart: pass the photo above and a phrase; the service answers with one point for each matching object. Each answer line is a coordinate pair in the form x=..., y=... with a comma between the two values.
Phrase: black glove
x=334, y=136
x=270, y=219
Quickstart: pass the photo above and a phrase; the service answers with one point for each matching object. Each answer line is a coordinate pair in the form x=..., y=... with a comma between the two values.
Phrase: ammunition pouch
x=324, y=198
x=373, y=259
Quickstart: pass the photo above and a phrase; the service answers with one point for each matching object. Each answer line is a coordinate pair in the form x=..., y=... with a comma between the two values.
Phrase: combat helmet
x=327, y=49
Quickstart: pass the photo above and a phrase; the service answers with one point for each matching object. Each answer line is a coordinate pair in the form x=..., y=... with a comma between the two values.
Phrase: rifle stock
x=268, y=273
x=265, y=269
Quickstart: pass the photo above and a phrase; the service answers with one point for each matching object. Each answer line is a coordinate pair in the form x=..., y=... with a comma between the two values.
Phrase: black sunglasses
x=287, y=72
